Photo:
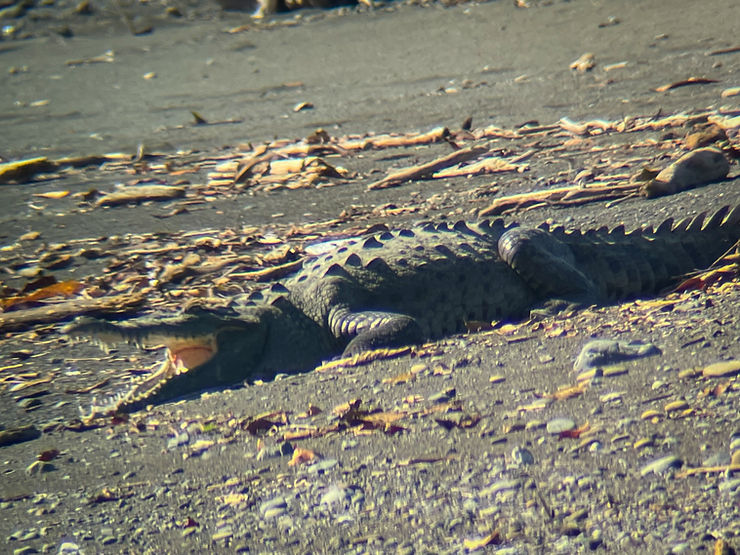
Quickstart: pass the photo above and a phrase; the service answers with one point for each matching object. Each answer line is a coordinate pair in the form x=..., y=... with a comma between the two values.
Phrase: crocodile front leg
x=373, y=329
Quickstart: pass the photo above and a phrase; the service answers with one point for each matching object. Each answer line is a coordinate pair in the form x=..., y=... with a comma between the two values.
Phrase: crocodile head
x=204, y=350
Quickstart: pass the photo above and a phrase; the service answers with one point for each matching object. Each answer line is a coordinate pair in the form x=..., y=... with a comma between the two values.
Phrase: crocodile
x=406, y=286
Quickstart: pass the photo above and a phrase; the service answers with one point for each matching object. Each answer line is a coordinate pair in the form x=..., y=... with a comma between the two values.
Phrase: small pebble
x=662, y=464
x=559, y=425
x=724, y=369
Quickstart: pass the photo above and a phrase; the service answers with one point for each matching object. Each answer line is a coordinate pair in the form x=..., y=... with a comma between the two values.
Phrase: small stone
x=443, y=396
x=725, y=369
x=178, y=440
x=589, y=375
x=223, y=533
x=613, y=397
x=500, y=486
x=348, y=444
x=30, y=535
x=697, y=167
x=580, y=514
x=662, y=464
x=570, y=528
x=676, y=406
x=285, y=449
x=30, y=236
x=560, y=425
x=521, y=456
x=729, y=486
x=735, y=441
x=322, y=466
x=535, y=425
x=274, y=507
x=595, y=539
x=735, y=459
x=69, y=548
x=544, y=358
x=512, y=427
x=607, y=352
x=336, y=495
x=644, y=442
x=29, y=403
x=689, y=373
x=616, y=370
x=619, y=437
x=650, y=414
x=658, y=384
x=720, y=458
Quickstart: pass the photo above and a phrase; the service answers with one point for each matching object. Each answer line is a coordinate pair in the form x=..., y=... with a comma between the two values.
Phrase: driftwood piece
x=436, y=135
x=487, y=165
x=21, y=319
x=561, y=195
x=140, y=193
x=273, y=272
x=22, y=171
x=425, y=170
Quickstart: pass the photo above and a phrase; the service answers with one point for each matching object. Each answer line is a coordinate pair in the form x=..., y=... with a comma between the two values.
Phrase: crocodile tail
x=650, y=259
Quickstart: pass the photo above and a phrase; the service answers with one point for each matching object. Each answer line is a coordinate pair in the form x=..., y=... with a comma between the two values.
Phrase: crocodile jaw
x=186, y=354
x=182, y=357
x=203, y=351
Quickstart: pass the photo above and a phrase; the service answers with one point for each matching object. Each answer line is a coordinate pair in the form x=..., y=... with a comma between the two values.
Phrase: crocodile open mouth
x=189, y=354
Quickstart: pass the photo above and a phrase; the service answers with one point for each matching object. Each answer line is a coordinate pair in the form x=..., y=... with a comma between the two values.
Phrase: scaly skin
x=407, y=286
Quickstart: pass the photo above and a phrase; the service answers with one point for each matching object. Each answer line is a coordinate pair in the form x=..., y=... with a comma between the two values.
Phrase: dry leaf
x=302, y=106
x=574, y=433
x=344, y=408
x=686, y=82
x=52, y=194
x=62, y=288
x=465, y=421
x=478, y=543
x=567, y=392
x=710, y=277
x=585, y=63
x=301, y=455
